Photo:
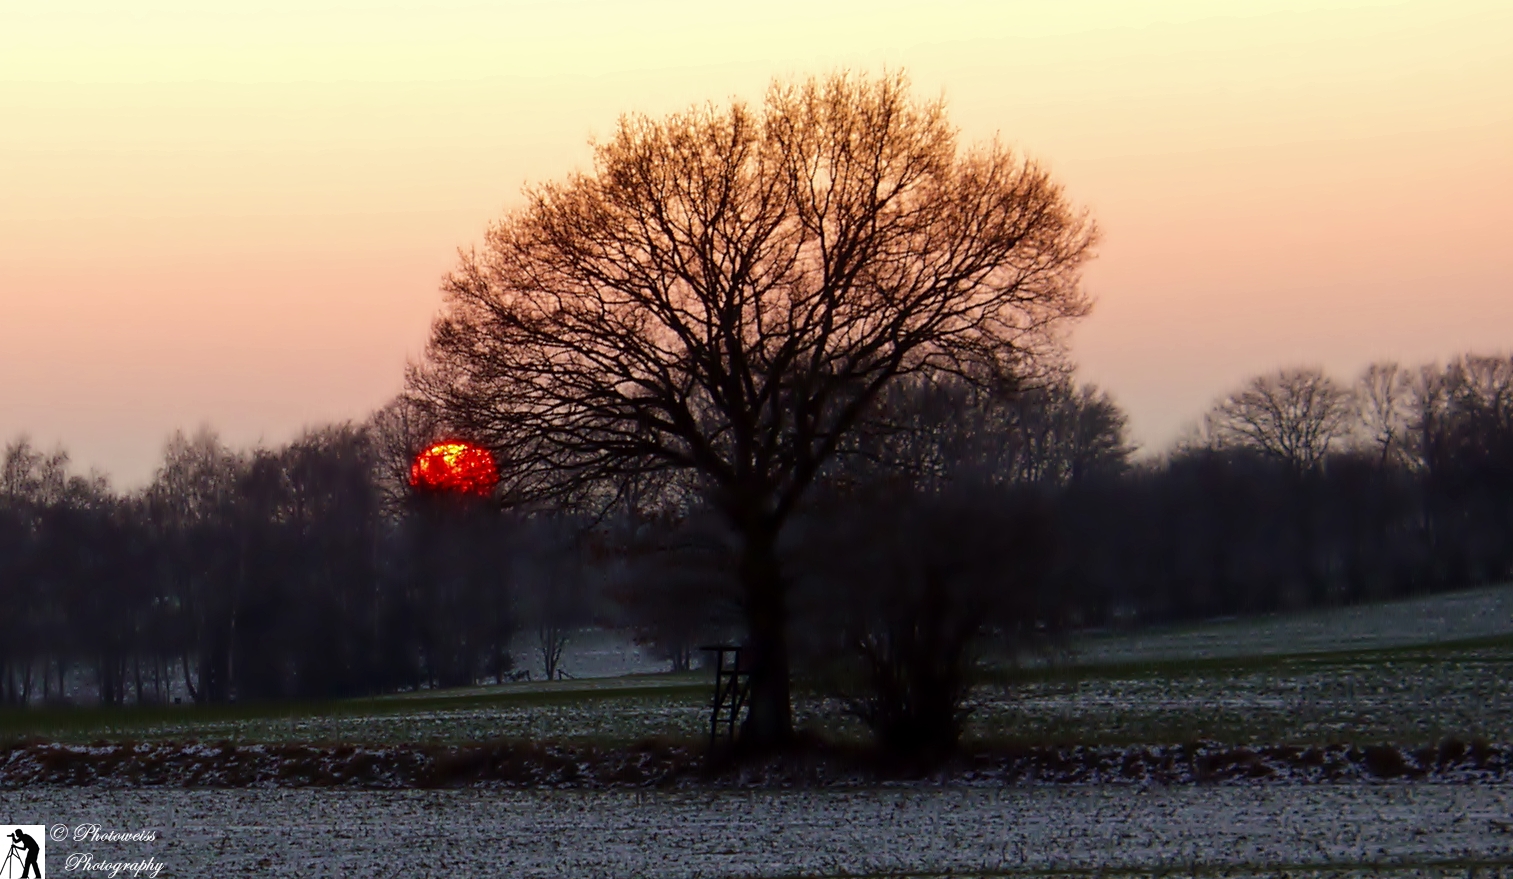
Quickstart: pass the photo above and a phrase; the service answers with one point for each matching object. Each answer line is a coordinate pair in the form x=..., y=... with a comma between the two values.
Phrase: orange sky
x=239, y=217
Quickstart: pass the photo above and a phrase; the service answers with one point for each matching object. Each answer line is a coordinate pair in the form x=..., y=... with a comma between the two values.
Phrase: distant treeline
x=311, y=570
x=1300, y=491
x=294, y=572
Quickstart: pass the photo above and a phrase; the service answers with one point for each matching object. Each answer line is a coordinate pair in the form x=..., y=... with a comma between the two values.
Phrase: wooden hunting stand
x=732, y=682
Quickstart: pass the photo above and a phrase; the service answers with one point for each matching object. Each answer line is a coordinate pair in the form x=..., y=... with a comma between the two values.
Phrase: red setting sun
x=454, y=466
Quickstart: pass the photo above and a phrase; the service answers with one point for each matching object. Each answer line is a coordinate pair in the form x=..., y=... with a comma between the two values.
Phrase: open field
x=1408, y=695
x=1467, y=615
x=1332, y=830
x=1366, y=685
x=1404, y=695
x=1455, y=681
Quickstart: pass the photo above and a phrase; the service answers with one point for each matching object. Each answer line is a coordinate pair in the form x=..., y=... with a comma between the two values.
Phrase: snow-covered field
x=1268, y=681
x=1381, y=829
x=1452, y=616
x=1446, y=617
x=625, y=718
x=1349, y=674
x=1411, y=697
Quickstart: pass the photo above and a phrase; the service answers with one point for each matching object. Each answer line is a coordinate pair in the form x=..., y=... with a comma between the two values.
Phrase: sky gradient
x=237, y=215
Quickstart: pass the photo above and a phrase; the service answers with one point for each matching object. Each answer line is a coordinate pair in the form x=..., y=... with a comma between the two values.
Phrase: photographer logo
x=26, y=851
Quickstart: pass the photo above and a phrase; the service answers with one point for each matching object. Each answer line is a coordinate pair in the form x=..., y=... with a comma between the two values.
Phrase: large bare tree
x=727, y=291
x=1295, y=416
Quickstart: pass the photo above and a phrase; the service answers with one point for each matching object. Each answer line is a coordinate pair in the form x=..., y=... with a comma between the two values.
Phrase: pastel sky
x=237, y=214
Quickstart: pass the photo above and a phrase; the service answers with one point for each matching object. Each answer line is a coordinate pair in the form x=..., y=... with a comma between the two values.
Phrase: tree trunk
x=194, y=694
x=769, y=719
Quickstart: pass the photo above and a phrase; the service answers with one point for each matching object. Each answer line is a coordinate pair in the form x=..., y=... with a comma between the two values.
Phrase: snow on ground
x=624, y=718
x=1407, y=699
x=1445, y=617
x=1410, y=695
x=1450, y=616
x=589, y=653
x=775, y=833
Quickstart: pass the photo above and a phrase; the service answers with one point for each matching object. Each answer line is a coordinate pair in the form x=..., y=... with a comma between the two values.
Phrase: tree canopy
x=728, y=291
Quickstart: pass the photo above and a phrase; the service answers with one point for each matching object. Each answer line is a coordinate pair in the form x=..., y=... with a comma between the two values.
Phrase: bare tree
x=728, y=291
x=1383, y=396
x=399, y=430
x=1294, y=415
x=31, y=476
x=192, y=505
x=1061, y=433
x=933, y=432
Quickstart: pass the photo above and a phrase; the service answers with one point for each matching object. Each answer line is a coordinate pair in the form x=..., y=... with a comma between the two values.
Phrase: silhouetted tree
x=399, y=430
x=1295, y=416
x=462, y=560
x=906, y=587
x=1462, y=431
x=1383, y=396
x=192, y=505
x=932, y=431
x=729, y=291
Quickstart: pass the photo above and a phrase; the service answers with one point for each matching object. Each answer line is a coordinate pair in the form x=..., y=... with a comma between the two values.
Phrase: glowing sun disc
x=454, y=466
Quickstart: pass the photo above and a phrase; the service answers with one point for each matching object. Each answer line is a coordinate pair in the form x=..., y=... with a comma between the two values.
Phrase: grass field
x=1230, y=682
x=1467, y=615
x=1403, y=695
